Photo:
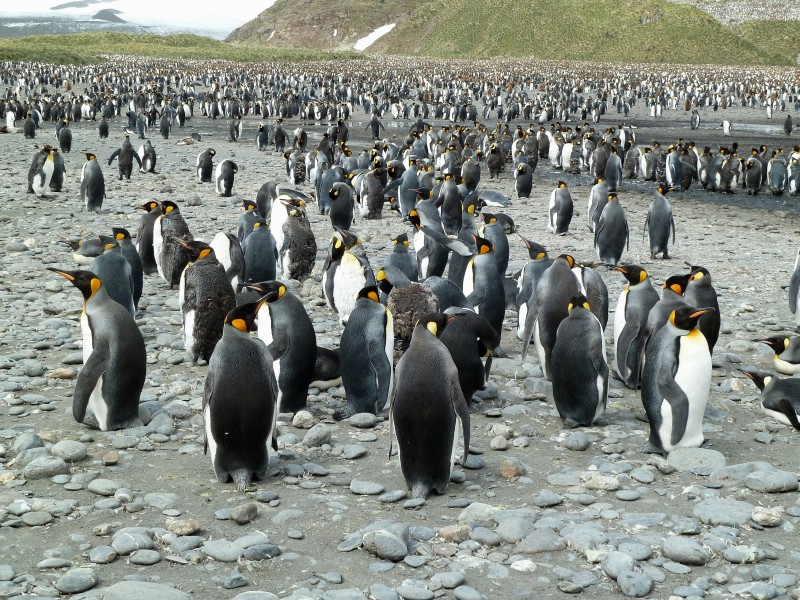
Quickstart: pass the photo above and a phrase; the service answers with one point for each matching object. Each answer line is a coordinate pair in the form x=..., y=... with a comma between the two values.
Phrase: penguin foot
x=649, y=448
x=570, y=423
x=499, y=353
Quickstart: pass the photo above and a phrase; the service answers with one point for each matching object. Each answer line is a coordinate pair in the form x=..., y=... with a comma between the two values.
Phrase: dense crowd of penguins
x=419, y=332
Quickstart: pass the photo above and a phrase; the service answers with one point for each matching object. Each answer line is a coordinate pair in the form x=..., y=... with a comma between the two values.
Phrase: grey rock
x=348, y=594
x=449, y=579
x=366, y=488
x=255, y=595
x=485, y=536
x=145, y=557
x=772, y=482
x=161, y=500
x=125, y=542
x=739, y=472
x=686, y=459
x=76, y=580
x=222, y=550
x=515, y=530
x=635, y=585
x=465, y=592
x=758, y=590
x=685, y=551
x=387, y=540
x=244, y=513
x=543, y=540
x=142, y=590
x=26, y=441
x=412, y=592
x=36, y=518
x=363, y=420
x=102, y=555
x=45, y=466
x=103, y=487
x=316, y=436
x=616, y=563
x=577, y=441
x=723, y=511
x=69, y=450
x=262, y=552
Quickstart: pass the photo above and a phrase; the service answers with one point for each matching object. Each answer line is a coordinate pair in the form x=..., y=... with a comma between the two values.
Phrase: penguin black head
x=535, y=251
x=578, y=301
x=382, y=280
x=435, y=322
x=86, y=281
x=413, y=217
x=778, y=343
x=612, y=196
x=370, y=293
x=561, y=184
x=120, y=233
x=249, y=205
x=662, y=189
x=149, y=206
x=89, y=156
x=677, y=283
x=488, y=218
x=633, y=273
x=760, y=378
x=169, y=207
x=401, y=239
x=698, y=272
x=570, y=260
x=243, y=317
x=483, y=245
x=197, y=250
x=259, y=223
x=211, y=152
x=686, y=317
x=270, y=290
x=108, y=242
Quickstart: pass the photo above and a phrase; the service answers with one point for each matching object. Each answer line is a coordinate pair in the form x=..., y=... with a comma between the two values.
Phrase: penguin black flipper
x=462, y=412
x=208, y=392
x=92, y=370
x=476, y=297
x=783, y=406
x=456, y=246
x=280, y=344
x=113, y=156
x=383, y=371
x=624, y=343
x=672, y=393
x=672, y=223
x=138, y=160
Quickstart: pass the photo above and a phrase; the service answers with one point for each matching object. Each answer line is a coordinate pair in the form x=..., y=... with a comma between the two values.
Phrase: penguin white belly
x=222, y=249
x=210, y=441
x=619, y=325
x=218, y=185
x=552, y=215
x=778, y=416
x=787, y=368
x=389, y=349
x=458, y=432
x=158, y=244
x=694, y=378
x=468, y=285
x=522, y=315
x=537, y=342
x=602, y=382
x=348, y=280
x=86, y=333
x=188, y=330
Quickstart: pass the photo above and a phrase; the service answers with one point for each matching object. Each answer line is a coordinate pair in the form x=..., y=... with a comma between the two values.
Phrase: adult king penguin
x=780, y=398
x=114, y=358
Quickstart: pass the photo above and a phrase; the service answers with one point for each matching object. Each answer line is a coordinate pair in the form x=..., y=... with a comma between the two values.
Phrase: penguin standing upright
x=341, y=209
x=229, y=253
x=36, y=164
x=787, y=125
x=560, y=210
x=528, y=280
x=630, y=318
x=102, y=128
x=794, y=288
x=401, y=257
x=239, y=401
x=700, y=292
x=246, y=220
x=780, y=398
x=676, y=381
x=123, y=238
x=285, y=327
x=260, y=254
x=555, y=288
x=262, y=138
x=236, y=128
x=144, y=236
x=41, y=181
x=114, y=358
x=469, y=338
x=579, y=368
x=147, y=157
x=428, y=410
x=171, y=257
x=613, y=171
x=59, y=179
x=115, y=272
x=483, y=286
x=611, y=236
x=523, y=182
x=365, y=354
x=93, y=185
x=658, y=223
x=205, y=297
x=298, y=251
x=29, y=127
x=125, y=156
x=205, y=165
x=65, y=138
x=165, y=125
x=223, y=177
x=598, y=196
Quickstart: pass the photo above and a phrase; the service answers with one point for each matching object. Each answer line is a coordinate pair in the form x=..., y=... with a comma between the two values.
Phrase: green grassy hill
x=650, y=31
x=84, y=48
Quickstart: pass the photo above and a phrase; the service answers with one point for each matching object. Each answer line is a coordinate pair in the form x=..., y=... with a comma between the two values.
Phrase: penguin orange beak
x=65, y=274
x=618, y=268
x=700, y=312
x=184, y=244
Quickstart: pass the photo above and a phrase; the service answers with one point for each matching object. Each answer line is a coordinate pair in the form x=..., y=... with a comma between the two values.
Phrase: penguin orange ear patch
x=432, y=327
x=204, y=252
x=239, y=324
x=95, y=285
x=373, y=296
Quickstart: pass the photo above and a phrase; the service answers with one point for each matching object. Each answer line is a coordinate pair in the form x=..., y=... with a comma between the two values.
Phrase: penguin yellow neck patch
x=432, y=327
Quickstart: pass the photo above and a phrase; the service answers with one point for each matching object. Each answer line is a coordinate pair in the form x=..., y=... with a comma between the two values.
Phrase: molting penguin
x=239, y=401
x=285, y=327
x=560, y=210
x=365, y=355
x=205, y=165
x=408, y=300
x=659, y=223
x=125, y=155
x=780, y=398
x=630, y=318
x=171, y=256
x=298, y=250
x=676, y=381
x=580, y=371
x=205, y=297
x=223, y=177
x=93, y=185
x=428, y=410
x=114, y=358
x=611, y=234
x=144, y=236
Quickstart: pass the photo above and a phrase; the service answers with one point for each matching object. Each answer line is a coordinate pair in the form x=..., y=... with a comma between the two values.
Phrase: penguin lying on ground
x=787, y=353
x=780, y=398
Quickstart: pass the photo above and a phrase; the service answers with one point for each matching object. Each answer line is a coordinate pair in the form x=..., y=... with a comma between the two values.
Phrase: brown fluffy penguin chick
x=409, y=301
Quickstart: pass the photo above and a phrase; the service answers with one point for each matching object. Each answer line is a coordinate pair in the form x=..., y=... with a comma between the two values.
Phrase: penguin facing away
x=144, y=236
x=676, y=381
x=658, y=224
x=580, y=370
x=239, y=401
x=794, y=288
x=114, y=358
x=428, y=410
x=93, y=185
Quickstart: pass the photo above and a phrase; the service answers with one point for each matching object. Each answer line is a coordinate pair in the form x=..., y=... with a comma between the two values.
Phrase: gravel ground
x=138, y=513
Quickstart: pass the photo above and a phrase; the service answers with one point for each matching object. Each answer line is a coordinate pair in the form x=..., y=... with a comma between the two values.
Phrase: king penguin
x=147, y=157
x=205, y=165
x=428, y=410
x=285, y=327
x=470, y=338
x=401, y=257
x=701, y=292
x=780, y=398
x=365, y=356
x=123, y=238
x=658, y=224
x=787, y=353
x=113, y=269
x=630, y=318
x=144, y=236
x=171, y=257
x=93, y=185
x=205, y=297
x=579, y=367
x=125, y=156
x=223, y=177
x=41, y=181
x=114, y=358
x=560, y=210
x=239, y=401
x=611, y=235
x=676, y=382
x=483, y=287
x=260, y=254
x=794, y=288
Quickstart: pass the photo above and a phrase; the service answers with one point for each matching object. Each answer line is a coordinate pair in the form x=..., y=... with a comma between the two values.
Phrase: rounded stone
x=69, y=450
x=76, y=580
x=366, y=488
x=244, y=513
x=685, y=551
x=145, y=557
x=764, y=516
x=464, y=592
x=363, y=420
x=577, y=441
x=102, y=555
x=36, y=518
x=635, y=585
x=103, y=487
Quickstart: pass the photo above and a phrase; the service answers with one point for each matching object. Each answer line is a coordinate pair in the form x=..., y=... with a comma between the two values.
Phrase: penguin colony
x=448, y=266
